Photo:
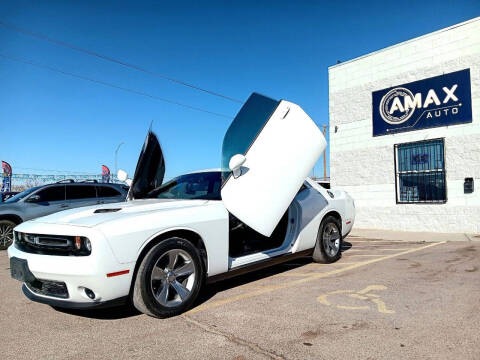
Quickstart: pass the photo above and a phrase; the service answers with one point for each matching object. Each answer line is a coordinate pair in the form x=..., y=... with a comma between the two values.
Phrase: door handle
x=64, y=206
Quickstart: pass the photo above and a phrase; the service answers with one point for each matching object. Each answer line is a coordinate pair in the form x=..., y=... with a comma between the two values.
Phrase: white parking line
x=363, y=249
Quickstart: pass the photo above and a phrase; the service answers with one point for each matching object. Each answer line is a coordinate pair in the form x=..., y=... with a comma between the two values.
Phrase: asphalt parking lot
x=383, y=299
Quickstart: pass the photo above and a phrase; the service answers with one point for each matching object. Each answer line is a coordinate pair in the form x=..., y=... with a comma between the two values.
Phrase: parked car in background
x=7, y=195
x=47, y=199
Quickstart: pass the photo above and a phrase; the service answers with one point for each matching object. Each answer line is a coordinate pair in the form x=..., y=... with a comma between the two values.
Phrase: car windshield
x=203, y=185
x=21, y=195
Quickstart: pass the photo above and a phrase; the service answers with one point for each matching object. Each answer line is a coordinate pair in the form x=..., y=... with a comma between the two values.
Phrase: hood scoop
x=102, y=211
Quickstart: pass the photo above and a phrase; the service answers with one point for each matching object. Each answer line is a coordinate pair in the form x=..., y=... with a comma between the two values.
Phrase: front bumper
x=71, y=304
x=78, y=273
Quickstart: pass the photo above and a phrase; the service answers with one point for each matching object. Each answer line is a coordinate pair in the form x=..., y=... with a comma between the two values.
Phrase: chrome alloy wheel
x=6, y=235
x=173, y=277
x=331, y=239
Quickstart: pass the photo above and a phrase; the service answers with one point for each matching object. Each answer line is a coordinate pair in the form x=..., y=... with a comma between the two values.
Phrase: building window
x=420, y=172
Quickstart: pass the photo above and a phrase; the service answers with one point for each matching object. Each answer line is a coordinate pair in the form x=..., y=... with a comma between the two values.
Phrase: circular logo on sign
x=400, y=115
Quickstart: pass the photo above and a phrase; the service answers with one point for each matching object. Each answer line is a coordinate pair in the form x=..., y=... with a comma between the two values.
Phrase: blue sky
x=280, y=49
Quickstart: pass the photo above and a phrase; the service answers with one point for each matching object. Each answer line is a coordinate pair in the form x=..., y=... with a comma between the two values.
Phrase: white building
x=405, y=132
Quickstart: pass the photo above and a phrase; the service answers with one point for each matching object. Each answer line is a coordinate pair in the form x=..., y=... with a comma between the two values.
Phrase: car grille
x=48, y=244
x=49, y=288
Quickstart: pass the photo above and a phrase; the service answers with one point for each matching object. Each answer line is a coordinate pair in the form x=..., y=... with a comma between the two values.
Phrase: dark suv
x=43, y=200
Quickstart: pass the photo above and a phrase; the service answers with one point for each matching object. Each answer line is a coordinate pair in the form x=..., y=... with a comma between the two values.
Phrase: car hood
x=91, y=216
x=150, y=168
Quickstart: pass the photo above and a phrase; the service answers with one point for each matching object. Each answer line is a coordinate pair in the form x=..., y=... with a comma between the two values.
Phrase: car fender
x=307, y=236
x=129, y=236
x=175, y=232
x=341, y=203
x=12, y=215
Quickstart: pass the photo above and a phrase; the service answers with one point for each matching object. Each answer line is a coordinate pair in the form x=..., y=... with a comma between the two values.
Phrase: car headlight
x=88, y=245
x=53, y=244
x=83, y=245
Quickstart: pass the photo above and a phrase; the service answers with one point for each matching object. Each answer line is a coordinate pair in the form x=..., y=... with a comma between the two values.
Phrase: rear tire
x=6, y=233
x=329, y=241
x=169, y=278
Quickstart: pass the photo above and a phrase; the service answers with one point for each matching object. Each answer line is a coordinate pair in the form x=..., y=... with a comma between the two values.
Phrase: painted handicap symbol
x=365, y=295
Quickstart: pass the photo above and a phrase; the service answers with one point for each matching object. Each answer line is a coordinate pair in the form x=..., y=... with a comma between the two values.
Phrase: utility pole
x=116, y=152
x=324, y=154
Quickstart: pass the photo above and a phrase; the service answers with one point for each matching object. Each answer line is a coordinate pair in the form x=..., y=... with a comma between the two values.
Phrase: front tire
x=6, y=233
x=329, y=241
x=169, y=278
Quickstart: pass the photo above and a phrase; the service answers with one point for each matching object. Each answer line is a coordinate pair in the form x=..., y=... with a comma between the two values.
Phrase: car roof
x=84, y=183
x=202, y=171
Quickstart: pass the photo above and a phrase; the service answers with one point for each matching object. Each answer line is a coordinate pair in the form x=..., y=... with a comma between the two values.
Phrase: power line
x=112, y=85
x=113, y=60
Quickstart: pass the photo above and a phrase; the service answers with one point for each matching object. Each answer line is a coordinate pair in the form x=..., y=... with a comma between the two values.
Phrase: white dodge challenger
x=166, y=241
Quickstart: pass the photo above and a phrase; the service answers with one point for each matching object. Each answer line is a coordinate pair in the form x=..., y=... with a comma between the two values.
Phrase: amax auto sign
x=438, y=101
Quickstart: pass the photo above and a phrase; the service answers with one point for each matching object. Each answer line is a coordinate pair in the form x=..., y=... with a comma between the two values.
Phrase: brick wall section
x=363, y=165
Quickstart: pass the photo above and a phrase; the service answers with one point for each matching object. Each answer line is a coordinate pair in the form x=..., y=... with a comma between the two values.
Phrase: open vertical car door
x=150, y=168
x=268, y=152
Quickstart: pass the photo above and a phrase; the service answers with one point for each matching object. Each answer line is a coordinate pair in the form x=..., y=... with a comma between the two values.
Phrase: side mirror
x=236, y=163
x=122, y=175
x=34, y=198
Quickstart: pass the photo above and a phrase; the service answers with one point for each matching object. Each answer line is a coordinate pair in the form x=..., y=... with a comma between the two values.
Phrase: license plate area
x=19, y=270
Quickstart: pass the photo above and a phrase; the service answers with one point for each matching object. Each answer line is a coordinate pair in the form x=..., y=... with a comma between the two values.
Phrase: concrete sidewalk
x=411, y=236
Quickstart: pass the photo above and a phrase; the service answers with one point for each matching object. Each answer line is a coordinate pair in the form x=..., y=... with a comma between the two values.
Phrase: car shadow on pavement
x=211, y=290
x=113, y=313
x=128, y=310
x=208, y=291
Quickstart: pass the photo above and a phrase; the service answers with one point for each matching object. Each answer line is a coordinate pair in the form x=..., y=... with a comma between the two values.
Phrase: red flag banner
x=105, y=174
x=7, y=169
x=7, y=177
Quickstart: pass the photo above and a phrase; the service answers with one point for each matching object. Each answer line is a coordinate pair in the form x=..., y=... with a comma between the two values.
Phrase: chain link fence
x=21, y=182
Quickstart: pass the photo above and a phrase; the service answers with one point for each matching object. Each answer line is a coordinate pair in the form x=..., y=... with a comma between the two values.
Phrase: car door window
x=52, y=193
x=76, y=192
x=21, y=195
x=107, y=191
x=245, y=127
